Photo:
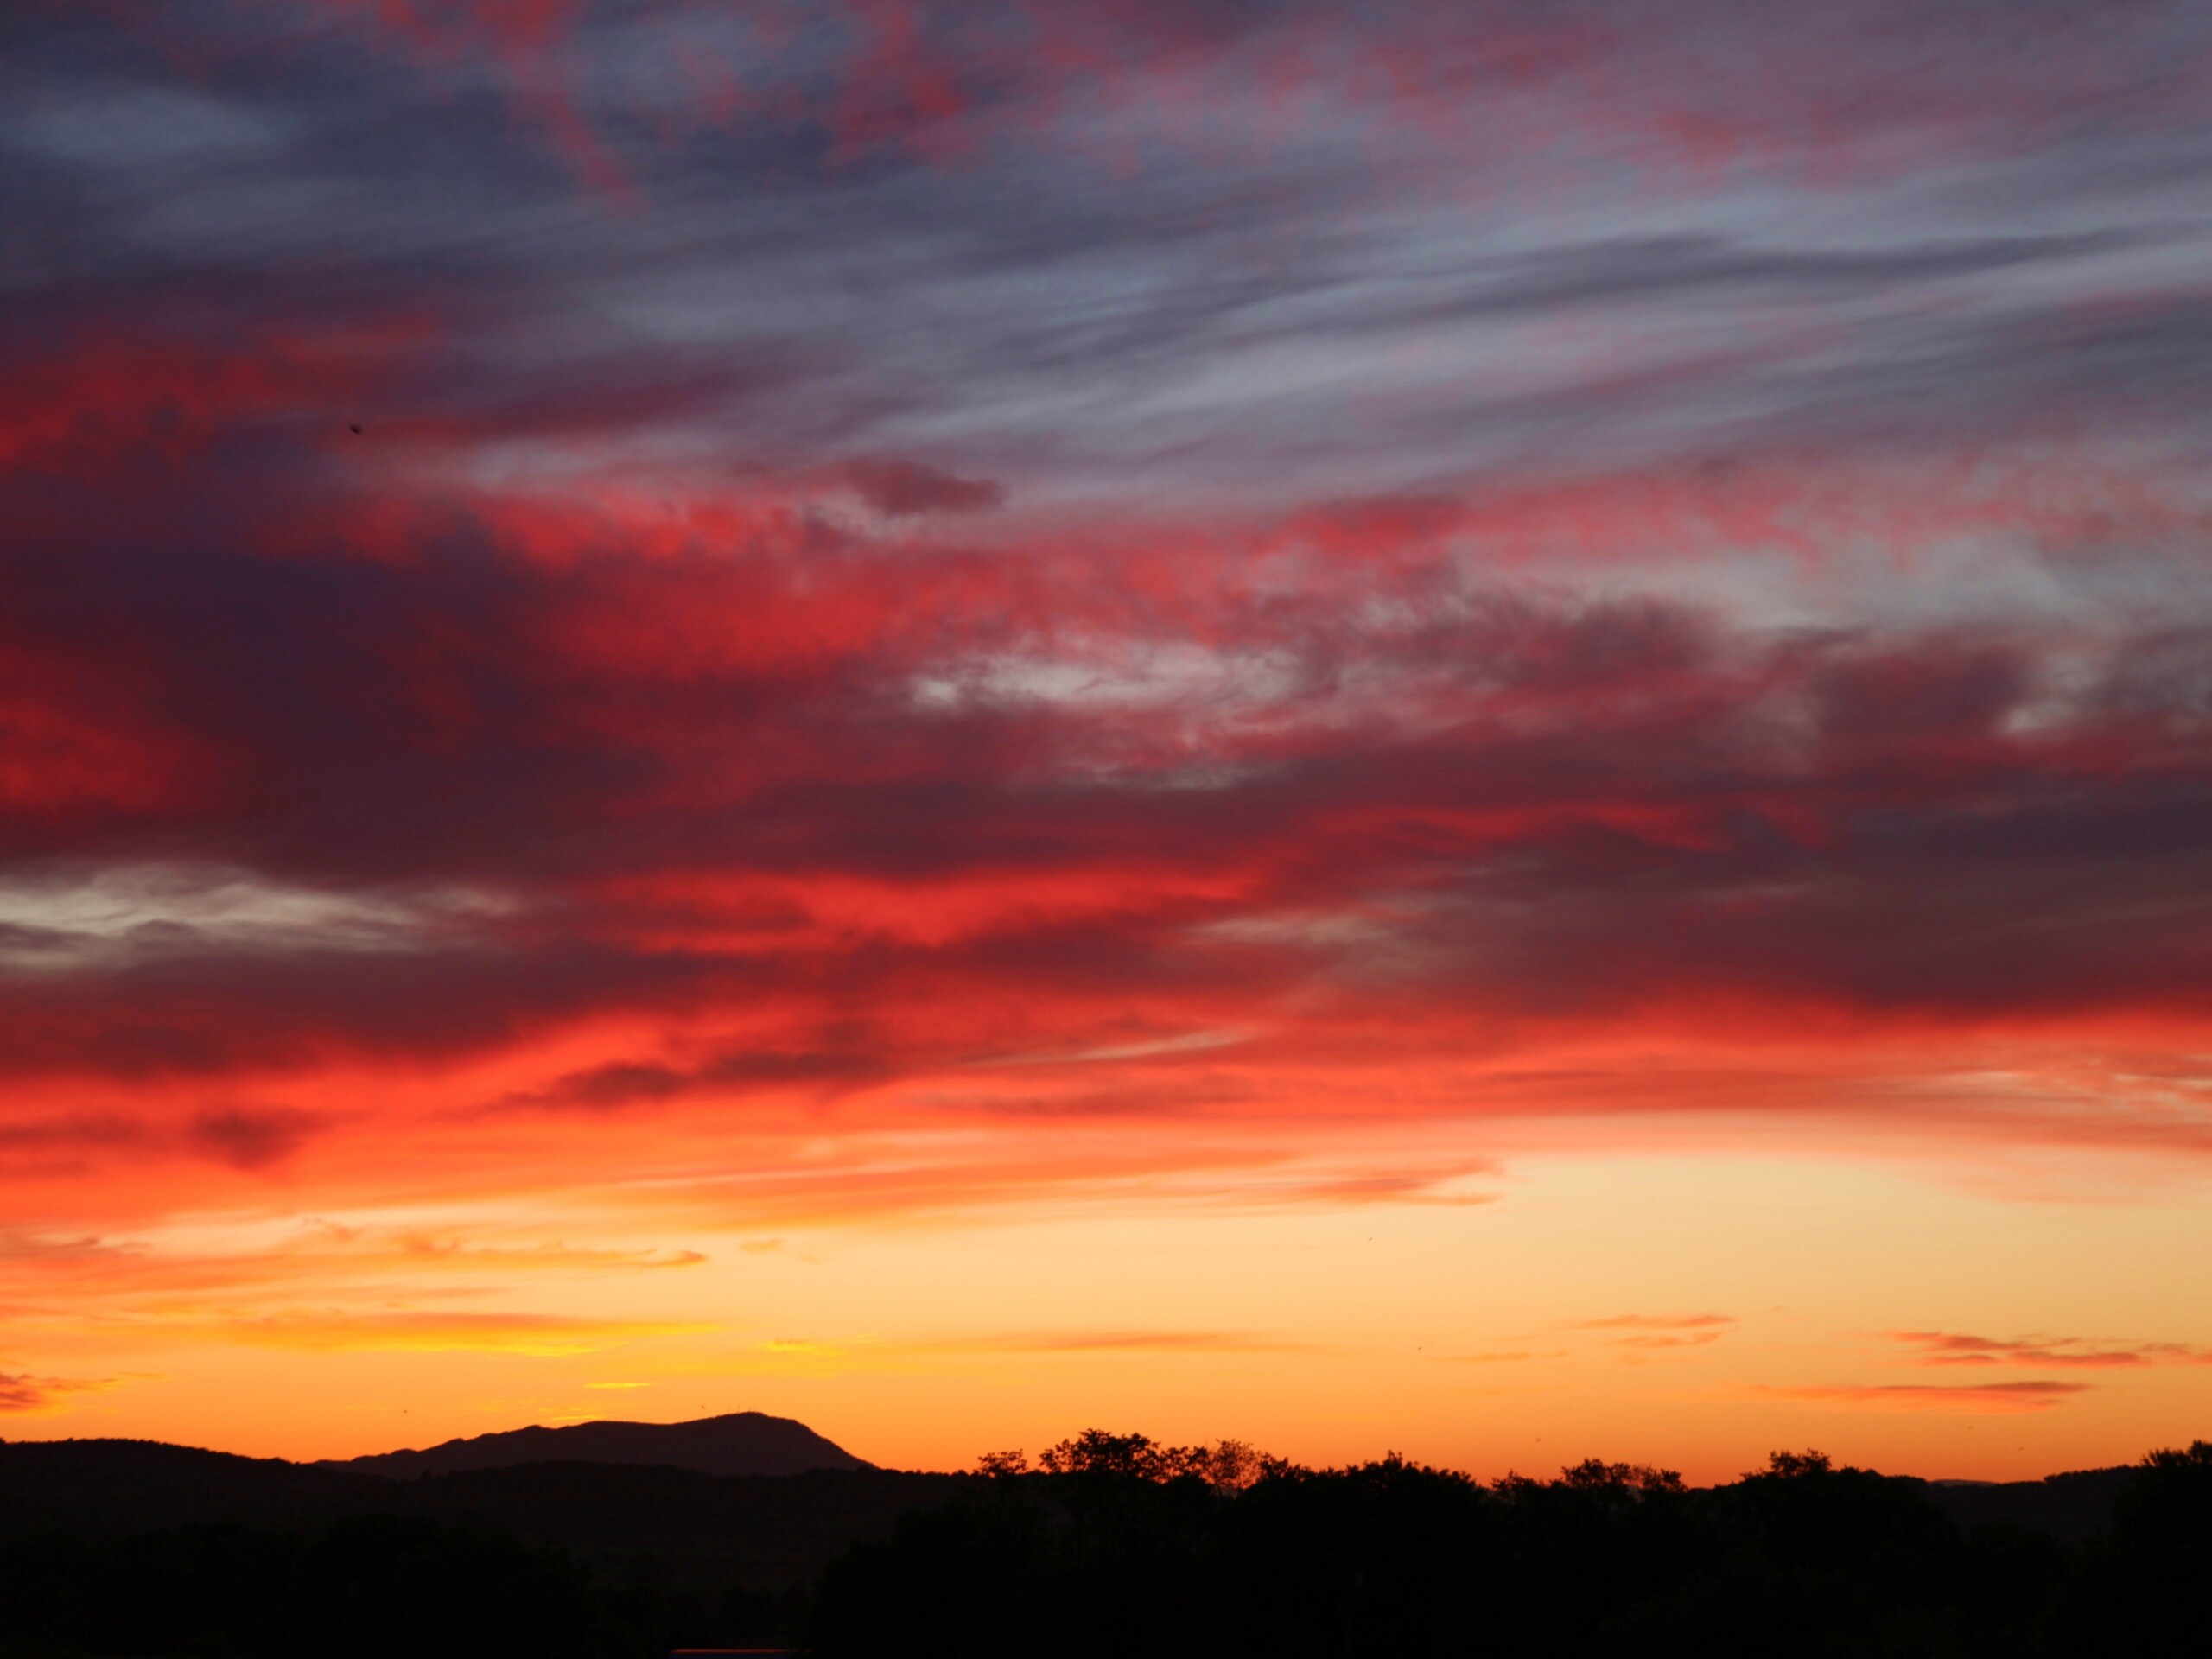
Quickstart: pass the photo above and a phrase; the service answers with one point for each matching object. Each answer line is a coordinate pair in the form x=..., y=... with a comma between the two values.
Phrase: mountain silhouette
x=741, y=1443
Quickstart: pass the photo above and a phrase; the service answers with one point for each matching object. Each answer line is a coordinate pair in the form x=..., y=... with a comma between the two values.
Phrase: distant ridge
x=741, y=1443
x=103, y=1485
x=2075, y=1504
x=703, y=1531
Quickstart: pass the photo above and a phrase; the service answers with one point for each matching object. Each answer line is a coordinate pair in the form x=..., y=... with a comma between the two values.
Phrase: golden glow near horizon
x=1692, y=1307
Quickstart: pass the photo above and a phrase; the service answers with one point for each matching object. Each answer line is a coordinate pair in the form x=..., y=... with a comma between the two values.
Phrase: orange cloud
x=1954, y=1348
x=1086, y=1342
x=20, y=1393
x=1978, y=1399
x=1653, y=1331
x=537, y=1334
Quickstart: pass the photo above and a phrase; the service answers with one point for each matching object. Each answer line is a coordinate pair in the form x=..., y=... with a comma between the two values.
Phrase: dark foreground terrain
x=1116, y=1546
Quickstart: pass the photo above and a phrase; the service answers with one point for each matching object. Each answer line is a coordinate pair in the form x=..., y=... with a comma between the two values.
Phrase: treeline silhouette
x=1112, y=1544
x=1115, y=1545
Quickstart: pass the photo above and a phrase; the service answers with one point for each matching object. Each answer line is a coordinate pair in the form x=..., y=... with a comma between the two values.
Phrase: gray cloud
x=1030, y=308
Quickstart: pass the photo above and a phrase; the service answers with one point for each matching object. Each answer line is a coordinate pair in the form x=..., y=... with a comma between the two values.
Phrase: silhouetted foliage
x=1229, y=1465
x=1114, y=1544
x=2148, y=1582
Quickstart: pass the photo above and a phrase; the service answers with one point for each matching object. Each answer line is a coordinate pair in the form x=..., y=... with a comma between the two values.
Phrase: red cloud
x=677, y=795
x=958, y=808
x=105, y=405
x=252, y=1137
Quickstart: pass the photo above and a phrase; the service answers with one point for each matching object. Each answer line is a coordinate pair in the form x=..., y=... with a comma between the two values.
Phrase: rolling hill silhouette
x=111, y=1486
x=741, y=1443
x=681, y=1526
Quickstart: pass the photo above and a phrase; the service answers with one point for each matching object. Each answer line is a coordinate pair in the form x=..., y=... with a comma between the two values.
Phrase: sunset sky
x=1480, y=728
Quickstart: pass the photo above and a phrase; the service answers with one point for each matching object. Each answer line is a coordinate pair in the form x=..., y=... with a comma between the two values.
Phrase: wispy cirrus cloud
x=1972, y=1399
x=1040, y=1343
x=1659, y=1331
x=1959, y=1348
x=20, y=1392
x=544, y=1335
x=1140, y=1341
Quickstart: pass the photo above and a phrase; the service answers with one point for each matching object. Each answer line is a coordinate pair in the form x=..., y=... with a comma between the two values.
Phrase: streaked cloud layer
x=631, y=631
